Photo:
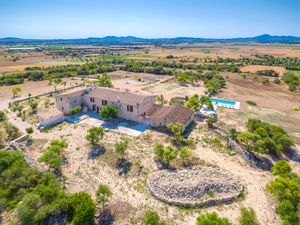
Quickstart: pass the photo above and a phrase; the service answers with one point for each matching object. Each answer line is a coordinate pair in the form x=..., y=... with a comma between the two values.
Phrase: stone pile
x=195, y=186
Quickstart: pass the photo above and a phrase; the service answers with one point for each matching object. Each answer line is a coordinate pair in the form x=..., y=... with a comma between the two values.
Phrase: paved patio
x=118, y=125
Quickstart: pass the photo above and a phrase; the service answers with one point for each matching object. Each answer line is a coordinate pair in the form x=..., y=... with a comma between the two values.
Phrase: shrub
x=29, y=130
x=264, y=137
x=3, y=117
x=265, y=80
x=52, y=156
x=281, y=168
x=270, y=73
x=248, y=217
x=75, y=110
x=292, y=80
x=177, y=101
x=276, y=81
x=252, y=103
x=152, y=218
x=165, y=154
x=82, y=208
x=212, y=219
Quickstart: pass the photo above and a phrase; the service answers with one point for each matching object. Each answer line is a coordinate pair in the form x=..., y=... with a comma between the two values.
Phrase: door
x=94, y=107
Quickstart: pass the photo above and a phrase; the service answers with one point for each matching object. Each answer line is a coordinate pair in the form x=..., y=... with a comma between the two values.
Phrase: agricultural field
x=264, y=127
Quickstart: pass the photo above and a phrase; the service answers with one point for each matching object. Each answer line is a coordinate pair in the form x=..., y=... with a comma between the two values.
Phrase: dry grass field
x=227, y=50
x=27, y=59
x=255, y=68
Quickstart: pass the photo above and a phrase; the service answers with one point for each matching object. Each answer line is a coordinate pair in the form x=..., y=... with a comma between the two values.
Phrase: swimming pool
x=226, y=103
x=222, y=101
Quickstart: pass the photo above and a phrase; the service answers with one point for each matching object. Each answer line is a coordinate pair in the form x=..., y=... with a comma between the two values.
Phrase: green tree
x=103, y=194
x=248, y=217
x=210, y=121
x=104, y=80
x=16, y=90
x=108, y=111
x=52, y=199
x=212, y=219
x=177, y=129
x=82, y=208
x=121, y=146
x=193, y=102
x=161, y=99
x=204, y=99
x=94, y=135
x=57, y=81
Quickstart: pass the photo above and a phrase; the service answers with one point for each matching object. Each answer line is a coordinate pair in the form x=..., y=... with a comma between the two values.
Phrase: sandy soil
x=32, y=87
x=27, y=59
x=255, y=68
x=172, y=89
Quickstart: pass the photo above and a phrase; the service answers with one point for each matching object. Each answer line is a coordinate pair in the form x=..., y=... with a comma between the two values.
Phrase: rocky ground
x=196, y=186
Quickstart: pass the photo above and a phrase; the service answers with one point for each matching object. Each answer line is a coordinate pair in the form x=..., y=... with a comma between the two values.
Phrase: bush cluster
x=264, y=137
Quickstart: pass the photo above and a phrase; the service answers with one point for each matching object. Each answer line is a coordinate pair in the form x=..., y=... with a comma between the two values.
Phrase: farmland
x=169, y=72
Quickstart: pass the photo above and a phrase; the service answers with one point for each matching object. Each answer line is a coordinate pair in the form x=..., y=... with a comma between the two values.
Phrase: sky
x=148, y=18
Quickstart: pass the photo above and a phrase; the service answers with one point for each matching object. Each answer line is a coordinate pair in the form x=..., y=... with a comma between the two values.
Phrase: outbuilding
x=50, y=117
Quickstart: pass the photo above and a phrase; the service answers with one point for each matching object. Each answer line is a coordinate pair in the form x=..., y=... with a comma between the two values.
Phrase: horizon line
x=124, y=36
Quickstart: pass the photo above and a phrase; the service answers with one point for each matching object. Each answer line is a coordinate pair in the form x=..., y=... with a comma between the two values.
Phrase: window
x=61, y=99
x=62, y=108
x=129, y=108
x=92, y=99
x=104, y=102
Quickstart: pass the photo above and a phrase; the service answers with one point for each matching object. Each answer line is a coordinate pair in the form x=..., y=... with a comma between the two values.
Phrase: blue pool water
x=73, y=119
x=222, y=101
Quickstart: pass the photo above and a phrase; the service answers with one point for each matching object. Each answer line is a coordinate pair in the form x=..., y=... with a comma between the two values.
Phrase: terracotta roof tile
x=174, y=113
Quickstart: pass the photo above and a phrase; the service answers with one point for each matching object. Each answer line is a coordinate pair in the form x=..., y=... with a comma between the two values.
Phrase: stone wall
x=195, y=186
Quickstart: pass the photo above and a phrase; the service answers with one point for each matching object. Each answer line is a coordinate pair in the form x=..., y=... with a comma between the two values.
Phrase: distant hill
x=131, y=40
